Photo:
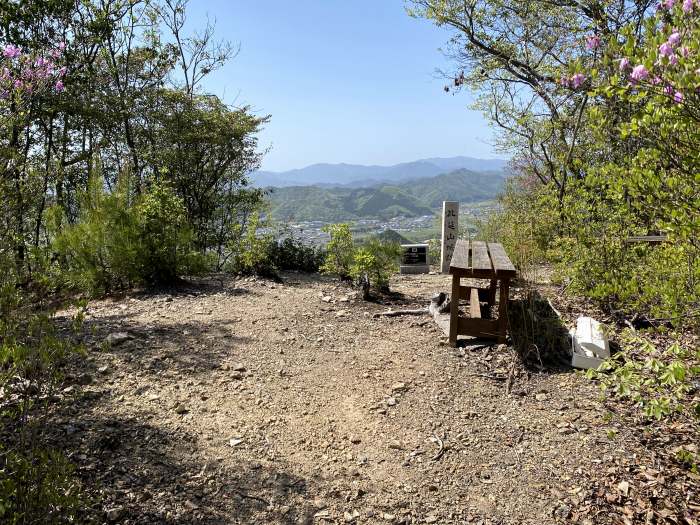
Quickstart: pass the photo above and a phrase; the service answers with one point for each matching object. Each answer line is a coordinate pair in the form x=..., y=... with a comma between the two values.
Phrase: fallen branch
x=441, y=446
x=396, y=313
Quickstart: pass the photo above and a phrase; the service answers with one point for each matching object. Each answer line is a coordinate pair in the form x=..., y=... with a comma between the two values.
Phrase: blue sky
x=344, y=81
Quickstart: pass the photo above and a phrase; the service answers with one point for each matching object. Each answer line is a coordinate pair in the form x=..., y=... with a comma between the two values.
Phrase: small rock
x=541, y=396
x=391, y=401
x=395, y=445
x=239, y=368
x=84, y=379
x=234, y=442
x=563, y=511
x=431, y=518
x=103, y=369
x=351, y=517
x=326, y=298
x=114, y=513
x=399, y=387
x=117, y=338
x=180, y=409
x=355, y=440
x=237, y=375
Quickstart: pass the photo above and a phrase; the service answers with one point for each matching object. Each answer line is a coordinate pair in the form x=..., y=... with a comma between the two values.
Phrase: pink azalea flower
x=577, y=80
x=666, y=49
x=688, y=6
x=639, y=73
x=624, y=63
x=668, y=4
x=592, y=42
x=656, y=81
x=674, y=39
x=668, y=90
x=17, y=84
x=59, y=86
x=62, y=71
x=564, y=81
x=673, y=60
x=11, y=51
x=685, y=51
x=678, y=97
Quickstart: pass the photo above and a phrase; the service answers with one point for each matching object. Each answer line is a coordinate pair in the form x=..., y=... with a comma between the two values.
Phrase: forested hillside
x=412, y=198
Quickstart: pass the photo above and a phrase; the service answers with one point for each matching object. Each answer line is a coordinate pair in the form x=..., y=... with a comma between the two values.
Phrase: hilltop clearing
x=257, y=402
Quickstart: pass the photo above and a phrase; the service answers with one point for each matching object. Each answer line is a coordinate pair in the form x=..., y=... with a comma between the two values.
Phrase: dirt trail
x=257, y=402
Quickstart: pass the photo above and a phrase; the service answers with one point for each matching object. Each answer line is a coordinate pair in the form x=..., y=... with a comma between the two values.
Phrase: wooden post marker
x=450, y=228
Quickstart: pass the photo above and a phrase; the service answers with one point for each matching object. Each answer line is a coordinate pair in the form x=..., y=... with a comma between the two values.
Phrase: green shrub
x=120, y=239
x=660, y=381
x=36, y=483
x=373, y=264
x=290, y=253
x=340, y=251
x=250, y=250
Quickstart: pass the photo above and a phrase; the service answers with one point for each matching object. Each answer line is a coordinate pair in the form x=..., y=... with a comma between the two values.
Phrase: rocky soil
x=248, y=401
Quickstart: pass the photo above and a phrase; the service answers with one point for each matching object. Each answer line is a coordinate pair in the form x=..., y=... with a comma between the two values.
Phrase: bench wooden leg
x=454, y=311
x=492, y=292
x=503, y=311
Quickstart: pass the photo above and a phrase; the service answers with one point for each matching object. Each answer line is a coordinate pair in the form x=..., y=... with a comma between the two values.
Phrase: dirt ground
x=249, y=401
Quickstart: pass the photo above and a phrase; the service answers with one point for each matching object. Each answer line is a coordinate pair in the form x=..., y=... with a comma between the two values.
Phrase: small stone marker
x=450, y=228
x=414, y=259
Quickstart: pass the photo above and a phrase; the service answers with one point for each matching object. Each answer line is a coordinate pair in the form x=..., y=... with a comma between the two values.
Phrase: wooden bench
x=480, y=260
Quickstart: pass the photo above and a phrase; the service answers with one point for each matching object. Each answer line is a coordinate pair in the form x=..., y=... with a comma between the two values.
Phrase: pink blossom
x=668, y=4
x=17, y=84
x=666, y=49
x=685, y=51
x=11, y=51
x=564, y=81
x=577, y=80
x=678, y=97
x=62, y=46
x=59, y=86
x=674, y=39
x=624, y=63
x=62, y=71
x=592, y=42
x=656, y=81
x=639, y=73
x=673, y=60
x=688, y=6
x=668, y=90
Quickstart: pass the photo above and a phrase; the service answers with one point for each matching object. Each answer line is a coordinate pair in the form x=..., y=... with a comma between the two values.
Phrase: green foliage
x=38, y=486
x=290, y=253
x=121, y=239
x=340, y=251
x=373, y=263
x=526, y=224
x=249, y=249
x=36, y=483
x=660, y=381
x=412, y=198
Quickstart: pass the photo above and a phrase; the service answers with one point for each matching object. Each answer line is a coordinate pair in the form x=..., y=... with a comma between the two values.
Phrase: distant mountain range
x=408, y=197
x=359, y=176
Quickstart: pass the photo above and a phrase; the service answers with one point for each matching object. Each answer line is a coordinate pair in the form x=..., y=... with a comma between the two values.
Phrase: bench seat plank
x=501, y=263
x=481, y=263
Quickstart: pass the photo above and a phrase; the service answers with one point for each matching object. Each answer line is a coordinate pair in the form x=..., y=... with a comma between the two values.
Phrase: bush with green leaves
x=37, y=484
x=660, y=381
x=291, y=253
x=373, y=264
x=340, y=251
x=121, y=238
